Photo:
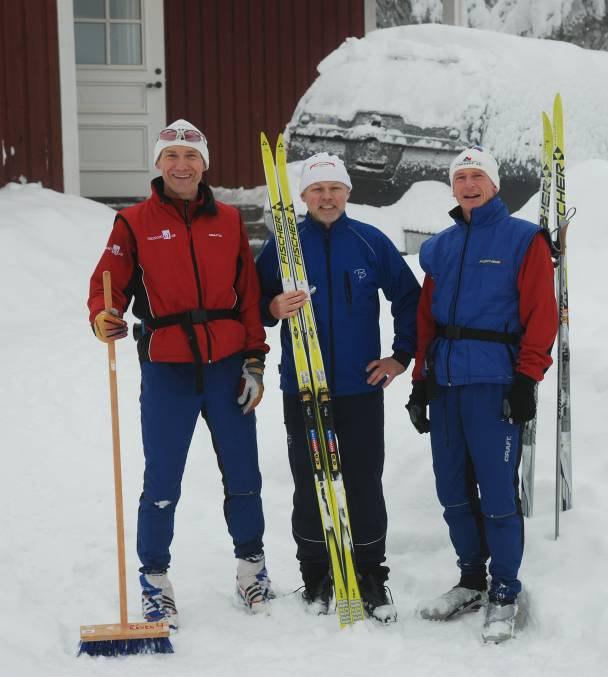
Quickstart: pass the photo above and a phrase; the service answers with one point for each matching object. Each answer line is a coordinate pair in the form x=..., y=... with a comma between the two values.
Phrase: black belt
x=187, y=320
x=456, y=333
x=192, y=317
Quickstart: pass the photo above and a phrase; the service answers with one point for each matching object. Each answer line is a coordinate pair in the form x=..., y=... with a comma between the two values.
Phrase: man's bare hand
x=386, y=368
x=287, y=304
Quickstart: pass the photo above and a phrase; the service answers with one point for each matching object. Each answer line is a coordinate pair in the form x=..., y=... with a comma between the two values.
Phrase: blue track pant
x=170, y=407
x=476, y=455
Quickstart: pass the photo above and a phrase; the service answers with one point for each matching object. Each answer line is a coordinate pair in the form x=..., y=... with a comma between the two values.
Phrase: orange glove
x=251, y=387
x=109, y=326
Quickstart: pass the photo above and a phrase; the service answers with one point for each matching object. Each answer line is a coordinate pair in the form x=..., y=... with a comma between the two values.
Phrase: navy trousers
x=359, y=421
x=476, y=456
x=170, y=407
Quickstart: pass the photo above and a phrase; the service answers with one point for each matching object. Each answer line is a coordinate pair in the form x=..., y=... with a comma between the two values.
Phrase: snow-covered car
x=398, y=104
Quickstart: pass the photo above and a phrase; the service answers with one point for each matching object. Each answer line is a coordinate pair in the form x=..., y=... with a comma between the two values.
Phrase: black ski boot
x=376, y=597
x=318, y=595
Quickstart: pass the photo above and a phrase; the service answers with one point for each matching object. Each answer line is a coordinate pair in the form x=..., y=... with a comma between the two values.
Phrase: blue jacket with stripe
x=347, y=264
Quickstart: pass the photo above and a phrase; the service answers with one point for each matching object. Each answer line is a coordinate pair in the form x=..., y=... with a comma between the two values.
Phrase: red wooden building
x=85, y=85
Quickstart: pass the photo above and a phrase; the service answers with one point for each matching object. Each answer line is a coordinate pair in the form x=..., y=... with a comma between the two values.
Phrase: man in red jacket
x=185, y=261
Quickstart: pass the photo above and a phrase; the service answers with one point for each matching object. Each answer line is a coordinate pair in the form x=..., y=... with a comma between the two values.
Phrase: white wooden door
x=120, y=80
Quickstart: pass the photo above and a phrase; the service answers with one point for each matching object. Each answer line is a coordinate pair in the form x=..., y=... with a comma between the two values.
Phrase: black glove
x=520, y=404
x=416, y=407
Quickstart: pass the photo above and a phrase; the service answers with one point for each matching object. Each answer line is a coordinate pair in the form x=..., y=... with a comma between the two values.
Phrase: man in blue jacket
x=347, y=263
x=487, y=320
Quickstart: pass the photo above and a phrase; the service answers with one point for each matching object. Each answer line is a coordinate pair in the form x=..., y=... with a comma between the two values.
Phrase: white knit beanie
x=476, y=158
x=323, y=167
x=182, y=125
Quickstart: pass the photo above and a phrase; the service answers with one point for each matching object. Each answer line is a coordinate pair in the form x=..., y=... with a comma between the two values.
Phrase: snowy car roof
x=459, y=78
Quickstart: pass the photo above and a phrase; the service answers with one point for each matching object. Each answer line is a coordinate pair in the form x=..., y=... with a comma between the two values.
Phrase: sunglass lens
x=192, y=135
x=168, y=135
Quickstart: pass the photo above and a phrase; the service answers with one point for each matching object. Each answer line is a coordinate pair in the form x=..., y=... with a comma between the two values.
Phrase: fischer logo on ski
x=553, y=166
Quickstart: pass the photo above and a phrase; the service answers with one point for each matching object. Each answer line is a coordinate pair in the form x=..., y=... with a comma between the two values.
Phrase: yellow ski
x=563, y=470
x=314, y=392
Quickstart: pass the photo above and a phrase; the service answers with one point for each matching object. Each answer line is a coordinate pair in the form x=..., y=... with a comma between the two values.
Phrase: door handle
x=158, y=84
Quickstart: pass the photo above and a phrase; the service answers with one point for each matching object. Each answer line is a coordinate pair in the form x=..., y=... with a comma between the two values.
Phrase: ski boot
x=318, y=595
x=252, y=584
x=158, y=599
x=376, y=597
x=452, y=603
x=499, y=624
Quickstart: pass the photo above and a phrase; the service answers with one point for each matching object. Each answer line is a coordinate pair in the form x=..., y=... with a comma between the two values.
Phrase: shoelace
x=252, y=594
x=157, y=606
x=258, y=591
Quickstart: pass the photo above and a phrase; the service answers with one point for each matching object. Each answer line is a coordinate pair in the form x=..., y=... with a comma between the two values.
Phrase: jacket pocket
x=348, y=289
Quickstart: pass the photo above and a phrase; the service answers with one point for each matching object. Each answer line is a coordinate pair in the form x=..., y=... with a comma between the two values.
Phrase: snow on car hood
x=470, y=80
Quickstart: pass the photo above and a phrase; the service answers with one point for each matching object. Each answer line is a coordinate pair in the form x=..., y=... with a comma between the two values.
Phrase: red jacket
x=172, y=256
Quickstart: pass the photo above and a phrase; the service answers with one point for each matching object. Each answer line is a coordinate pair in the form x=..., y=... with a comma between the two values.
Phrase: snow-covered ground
x=57, y=551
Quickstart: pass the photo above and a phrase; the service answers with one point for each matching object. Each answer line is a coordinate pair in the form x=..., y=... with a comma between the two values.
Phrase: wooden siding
x=30, y=107
x=237, y=67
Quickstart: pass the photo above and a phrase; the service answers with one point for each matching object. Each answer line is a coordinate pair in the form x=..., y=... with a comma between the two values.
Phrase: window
x=108, y=32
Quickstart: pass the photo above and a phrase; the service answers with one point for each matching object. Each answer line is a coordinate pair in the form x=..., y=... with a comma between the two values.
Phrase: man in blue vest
x=348, y=263
x=486, y=323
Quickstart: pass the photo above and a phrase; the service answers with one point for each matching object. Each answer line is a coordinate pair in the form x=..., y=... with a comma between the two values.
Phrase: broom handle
x=120, y=527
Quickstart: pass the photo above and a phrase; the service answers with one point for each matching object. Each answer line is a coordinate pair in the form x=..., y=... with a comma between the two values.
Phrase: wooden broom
x=118, y=639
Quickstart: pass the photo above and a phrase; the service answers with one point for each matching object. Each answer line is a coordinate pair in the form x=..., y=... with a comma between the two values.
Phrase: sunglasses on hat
x=192, y=135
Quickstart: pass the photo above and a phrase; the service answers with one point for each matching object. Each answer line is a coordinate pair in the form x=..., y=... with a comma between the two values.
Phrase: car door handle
x=158, y=84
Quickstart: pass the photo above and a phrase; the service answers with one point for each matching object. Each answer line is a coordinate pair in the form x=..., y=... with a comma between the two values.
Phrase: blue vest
x=475, y=267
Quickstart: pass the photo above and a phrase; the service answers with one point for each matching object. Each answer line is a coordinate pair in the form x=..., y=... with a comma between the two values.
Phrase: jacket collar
x=492, y=211
x=339, y=223
x=205, y=201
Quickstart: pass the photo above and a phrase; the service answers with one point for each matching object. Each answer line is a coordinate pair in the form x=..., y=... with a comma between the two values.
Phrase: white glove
x=251, y=386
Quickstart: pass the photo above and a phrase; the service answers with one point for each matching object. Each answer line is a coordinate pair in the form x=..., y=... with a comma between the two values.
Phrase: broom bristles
x=125, y=647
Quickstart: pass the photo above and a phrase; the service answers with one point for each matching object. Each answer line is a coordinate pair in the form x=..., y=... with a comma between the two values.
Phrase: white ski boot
x=452, y=603
x=500, y=622
x=253, y=585
x=158, y=599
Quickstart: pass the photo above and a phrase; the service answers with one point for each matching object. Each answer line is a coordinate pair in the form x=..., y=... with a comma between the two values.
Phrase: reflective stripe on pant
x=359, y=421
x=473, y=446
x=170, y=407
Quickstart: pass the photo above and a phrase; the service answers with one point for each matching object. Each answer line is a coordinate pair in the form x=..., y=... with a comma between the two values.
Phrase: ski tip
x=557, y=105
x=263, y=139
